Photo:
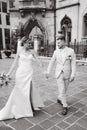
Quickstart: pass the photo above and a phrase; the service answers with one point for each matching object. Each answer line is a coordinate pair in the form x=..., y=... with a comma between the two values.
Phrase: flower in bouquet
x=4, y=79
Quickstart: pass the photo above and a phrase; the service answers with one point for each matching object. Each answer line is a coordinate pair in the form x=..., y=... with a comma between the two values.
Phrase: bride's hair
x=24, y=41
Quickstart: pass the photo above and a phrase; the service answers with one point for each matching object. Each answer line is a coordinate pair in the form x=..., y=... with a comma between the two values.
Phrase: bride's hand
x=23, y=39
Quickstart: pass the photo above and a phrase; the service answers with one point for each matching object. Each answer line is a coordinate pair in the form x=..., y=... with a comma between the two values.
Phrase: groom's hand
x=72, y=78
x=46, y=74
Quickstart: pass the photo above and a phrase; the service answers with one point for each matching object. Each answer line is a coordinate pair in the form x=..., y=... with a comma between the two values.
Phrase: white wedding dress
x=24, y=95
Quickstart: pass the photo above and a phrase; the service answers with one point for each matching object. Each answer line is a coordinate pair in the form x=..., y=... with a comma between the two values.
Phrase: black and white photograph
x=43, y=64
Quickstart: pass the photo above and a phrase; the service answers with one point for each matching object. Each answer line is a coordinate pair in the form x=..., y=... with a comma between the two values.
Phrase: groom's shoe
x=59, y=101
x=64, y=111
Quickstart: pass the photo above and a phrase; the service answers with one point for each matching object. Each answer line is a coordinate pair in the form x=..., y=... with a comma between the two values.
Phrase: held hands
x=46, y=75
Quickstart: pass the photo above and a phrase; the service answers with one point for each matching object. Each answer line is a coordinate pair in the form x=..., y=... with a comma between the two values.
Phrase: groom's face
x=60, y=43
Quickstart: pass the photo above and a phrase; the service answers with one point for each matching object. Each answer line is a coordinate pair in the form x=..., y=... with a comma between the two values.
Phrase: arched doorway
x=35, y=24
x=66, y=26
x=85, y=26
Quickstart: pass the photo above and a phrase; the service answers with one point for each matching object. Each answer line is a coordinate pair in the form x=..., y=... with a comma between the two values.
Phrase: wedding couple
x=25, y=98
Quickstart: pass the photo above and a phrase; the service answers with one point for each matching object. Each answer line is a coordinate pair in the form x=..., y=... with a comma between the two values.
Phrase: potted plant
x=7, y=51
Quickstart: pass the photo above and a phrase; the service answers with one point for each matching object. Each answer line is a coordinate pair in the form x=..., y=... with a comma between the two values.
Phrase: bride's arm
x=13, y=65
x=16, y=57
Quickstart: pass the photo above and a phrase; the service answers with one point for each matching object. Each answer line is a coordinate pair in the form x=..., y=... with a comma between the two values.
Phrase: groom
x=65, y=69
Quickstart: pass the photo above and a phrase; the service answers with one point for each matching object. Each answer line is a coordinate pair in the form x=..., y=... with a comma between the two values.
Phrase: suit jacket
x=65, y=62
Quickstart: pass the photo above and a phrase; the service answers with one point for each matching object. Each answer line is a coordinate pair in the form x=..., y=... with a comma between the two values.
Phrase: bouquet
x=4, y=79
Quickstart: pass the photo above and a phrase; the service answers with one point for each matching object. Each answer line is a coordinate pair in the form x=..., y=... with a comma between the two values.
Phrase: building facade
x=42, y=19
x=4, y=25
x=37, y=19
x=71, y=17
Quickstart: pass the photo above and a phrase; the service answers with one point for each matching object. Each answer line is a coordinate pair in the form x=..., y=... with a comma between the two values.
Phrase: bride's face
x=27, y=46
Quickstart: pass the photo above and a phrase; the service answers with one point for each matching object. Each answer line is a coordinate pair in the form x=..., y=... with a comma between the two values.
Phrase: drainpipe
x=78, y=24
x=54, y=24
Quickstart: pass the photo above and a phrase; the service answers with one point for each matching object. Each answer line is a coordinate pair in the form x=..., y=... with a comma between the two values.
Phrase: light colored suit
x=65, y=67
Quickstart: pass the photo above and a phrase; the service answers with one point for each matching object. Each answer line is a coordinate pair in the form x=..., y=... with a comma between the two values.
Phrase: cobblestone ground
x=50, y=117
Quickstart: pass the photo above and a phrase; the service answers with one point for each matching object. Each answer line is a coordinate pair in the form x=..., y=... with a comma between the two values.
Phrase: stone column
x=36, y=43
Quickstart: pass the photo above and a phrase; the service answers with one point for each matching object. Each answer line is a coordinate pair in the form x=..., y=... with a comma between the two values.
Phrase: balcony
x=35, y=5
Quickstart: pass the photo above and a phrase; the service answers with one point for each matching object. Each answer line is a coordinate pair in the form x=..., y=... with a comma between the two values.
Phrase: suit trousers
x=62, y=83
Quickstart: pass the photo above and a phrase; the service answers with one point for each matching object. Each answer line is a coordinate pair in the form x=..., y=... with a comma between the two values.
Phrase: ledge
x=68, y=6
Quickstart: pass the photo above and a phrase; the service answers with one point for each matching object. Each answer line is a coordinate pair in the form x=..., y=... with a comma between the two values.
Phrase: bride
x=24, y=98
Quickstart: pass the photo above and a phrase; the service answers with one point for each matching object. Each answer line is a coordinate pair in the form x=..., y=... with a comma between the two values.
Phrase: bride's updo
x=28, y=45
x=23, y=40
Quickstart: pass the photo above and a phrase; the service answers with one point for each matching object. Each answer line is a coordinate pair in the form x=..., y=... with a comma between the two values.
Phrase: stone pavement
x=50, y=118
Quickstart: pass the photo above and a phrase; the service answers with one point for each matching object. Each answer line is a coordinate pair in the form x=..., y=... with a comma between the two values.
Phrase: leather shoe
x=65, y=111
x=59, y=101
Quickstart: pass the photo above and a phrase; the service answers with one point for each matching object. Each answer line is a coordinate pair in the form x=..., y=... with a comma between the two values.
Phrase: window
x=1, y=42
x=0, y=19
x=11, y=3
x=7, y=20
x=7, y=38
x=4, y=7
x=85, y=25
x=0, y=6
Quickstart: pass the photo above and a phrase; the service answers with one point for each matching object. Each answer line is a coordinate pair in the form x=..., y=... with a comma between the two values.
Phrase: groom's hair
x=61, y=37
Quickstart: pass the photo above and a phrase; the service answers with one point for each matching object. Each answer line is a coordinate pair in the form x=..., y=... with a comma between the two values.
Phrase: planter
x=7, y=53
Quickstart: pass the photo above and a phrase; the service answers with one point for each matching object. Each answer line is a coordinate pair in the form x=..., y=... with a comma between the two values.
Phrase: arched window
x=66, y=26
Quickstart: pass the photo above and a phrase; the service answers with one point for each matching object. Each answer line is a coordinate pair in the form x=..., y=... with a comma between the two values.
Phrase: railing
x=80, y=49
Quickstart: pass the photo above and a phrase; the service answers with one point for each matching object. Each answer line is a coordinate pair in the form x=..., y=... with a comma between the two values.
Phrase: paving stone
x=85, y=91
x=84, y=101
x=21, y=124
x=47, y=124
x=63, y=125
x=39, y=117
x=1, y=123
x=9, y=121
x=78, y=105
x=56, y=118
x=53, y=109
x=83, y=86
x=84, y=109
x=79, y=114
x=80, y=95
x=83, y=122
x=48, y=102
x=55, y=128
x=76, y=127
x=71, y=100
x=3, y=127
x=72, y=119
x=36, y=127
x=72, y=91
